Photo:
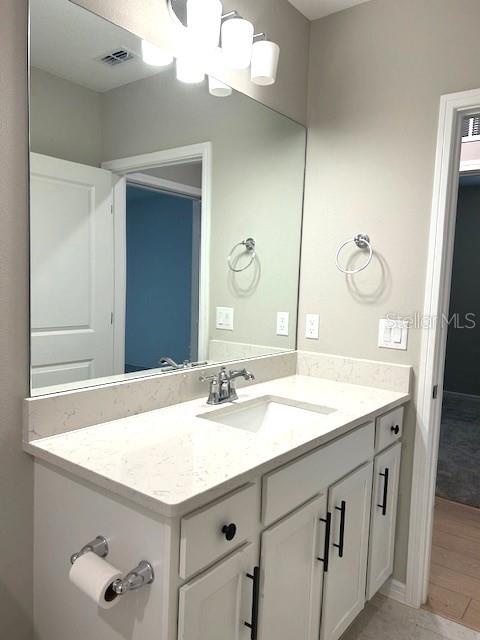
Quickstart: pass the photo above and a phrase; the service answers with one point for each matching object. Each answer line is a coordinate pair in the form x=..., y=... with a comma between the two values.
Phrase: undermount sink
x=269, y=414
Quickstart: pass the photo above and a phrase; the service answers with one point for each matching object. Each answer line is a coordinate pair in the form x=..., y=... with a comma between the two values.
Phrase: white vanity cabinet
x=292, y=573
x=292, y=553
x=344, y=590
x=383, y=518
x=217, y=605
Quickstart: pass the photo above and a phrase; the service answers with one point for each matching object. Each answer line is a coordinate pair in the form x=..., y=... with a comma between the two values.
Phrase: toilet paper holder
x=137, y=578
x=99, y=546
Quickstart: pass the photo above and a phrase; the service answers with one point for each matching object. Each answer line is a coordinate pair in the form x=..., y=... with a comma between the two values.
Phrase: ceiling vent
x=116, y=57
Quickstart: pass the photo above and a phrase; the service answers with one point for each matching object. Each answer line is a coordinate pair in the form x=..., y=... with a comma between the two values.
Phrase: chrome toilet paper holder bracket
x=137, y=578
x=99, y=546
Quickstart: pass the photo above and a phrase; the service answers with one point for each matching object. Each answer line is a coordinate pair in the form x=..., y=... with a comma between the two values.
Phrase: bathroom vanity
x=279, y=527
x=271, y=517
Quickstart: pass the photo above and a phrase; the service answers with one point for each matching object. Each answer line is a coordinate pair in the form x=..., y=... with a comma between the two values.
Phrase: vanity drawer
x=290, y=486
x=202, y=540
x=389, y=428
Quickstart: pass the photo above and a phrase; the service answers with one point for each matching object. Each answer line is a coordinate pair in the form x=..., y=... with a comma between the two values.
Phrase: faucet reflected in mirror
x=140, y=187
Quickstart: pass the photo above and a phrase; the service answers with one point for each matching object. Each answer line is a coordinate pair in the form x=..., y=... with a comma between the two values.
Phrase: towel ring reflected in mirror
x=362, y=241
x=249, y=245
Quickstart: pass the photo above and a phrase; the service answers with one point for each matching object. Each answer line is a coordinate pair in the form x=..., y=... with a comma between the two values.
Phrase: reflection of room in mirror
x=141, y=185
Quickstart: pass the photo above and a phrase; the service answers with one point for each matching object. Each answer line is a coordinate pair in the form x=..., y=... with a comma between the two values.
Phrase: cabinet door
x=384, y=516
x=344, y=585
x=291, y=574
x=217, y=604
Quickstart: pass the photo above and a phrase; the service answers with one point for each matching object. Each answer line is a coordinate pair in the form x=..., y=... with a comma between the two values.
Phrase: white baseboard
x=395, y=589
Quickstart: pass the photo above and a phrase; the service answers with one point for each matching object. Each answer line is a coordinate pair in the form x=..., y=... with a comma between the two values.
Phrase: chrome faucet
x=222, y=385
x=169, y=363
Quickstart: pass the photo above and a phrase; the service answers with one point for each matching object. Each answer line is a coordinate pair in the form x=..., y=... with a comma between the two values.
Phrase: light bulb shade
x=237, y=41
x=154, y=56
x=218, y=89
x=204, y=18
x=265, y=55
x=188, y=70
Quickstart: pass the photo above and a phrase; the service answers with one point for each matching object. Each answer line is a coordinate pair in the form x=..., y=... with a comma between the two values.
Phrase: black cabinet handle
x=341, y=542
x=229, y=531
x=253, y=625
x=326, y=547
x=383, y=506
x=395, y=429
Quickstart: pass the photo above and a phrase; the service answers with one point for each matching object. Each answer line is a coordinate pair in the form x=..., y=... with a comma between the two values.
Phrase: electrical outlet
x=224, y=318
x=312, y=323
x=282, y=323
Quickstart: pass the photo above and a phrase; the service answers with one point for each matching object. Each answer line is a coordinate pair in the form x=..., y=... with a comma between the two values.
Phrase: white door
x=292, y=563
x=344, y=585
x=384, y=516
x=72, y=271
x=218, y=605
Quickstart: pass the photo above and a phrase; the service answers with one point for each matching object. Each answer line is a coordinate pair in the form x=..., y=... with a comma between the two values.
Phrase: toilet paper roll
x=94, y=576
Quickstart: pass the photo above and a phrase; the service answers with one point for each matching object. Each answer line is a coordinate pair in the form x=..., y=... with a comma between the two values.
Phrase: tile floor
x=385, y=619
x=455, y=569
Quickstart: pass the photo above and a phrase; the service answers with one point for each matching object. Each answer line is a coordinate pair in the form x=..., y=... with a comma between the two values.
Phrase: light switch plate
x=224, y=319
x=312, y=323
x=282, y=323
x=393, y=334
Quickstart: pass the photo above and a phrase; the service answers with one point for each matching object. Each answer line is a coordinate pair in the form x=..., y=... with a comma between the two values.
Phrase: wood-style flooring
x=455, y=570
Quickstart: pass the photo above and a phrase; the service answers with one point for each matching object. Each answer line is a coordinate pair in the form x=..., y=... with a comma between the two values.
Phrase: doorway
x=454, y=585
x=183, y=172
x=162, y=248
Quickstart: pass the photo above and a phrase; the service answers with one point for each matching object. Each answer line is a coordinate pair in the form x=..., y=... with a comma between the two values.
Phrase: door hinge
x=111, y=317
x=435, y=392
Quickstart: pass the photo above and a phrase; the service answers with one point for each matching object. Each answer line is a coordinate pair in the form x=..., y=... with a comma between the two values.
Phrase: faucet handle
x=212, y=378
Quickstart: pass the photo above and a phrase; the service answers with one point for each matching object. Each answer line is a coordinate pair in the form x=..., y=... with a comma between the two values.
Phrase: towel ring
x=249, y=245
x=362, y=241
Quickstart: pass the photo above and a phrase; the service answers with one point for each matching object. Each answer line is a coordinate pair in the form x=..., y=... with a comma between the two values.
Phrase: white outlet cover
x=282, y=323
x=312, y=326
x=224, y=318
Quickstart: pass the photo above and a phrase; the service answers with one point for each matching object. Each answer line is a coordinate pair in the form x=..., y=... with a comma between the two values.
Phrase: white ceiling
x=67, y=41
x=314, y=9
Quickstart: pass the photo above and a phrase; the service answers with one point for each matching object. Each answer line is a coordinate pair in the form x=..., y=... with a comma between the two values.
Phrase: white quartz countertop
x=171, y=461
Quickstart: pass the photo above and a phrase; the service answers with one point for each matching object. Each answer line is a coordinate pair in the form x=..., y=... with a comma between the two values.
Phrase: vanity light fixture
x=237, y=40
x=154, y=56
x=218, y=89
x=265, y=55
x=204, y=19
x=188, y=70
x=240, y=48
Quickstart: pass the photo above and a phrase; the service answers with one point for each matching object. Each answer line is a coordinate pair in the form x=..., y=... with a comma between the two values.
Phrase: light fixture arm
x=260, y=36
x=231, y=14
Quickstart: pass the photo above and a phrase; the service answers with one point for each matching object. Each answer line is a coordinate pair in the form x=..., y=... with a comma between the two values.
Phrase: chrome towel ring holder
x=249, y=245
x=362, y=241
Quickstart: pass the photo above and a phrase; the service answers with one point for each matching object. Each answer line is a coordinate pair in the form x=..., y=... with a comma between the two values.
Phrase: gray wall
x=463, y=344
x=150, y=19
x=16, y=490
x=66, y=119
x=377, y=72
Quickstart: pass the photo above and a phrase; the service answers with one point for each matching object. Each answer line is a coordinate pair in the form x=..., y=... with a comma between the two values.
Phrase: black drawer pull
x=383, y=506
x=229, y=531
x=341, y=542
x=395, y=429
x=253, y=625
x=326, y=547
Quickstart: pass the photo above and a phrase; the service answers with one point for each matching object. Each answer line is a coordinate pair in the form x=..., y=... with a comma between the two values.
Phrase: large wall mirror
x=165, y=221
